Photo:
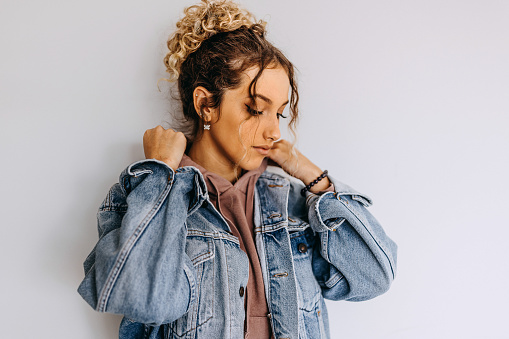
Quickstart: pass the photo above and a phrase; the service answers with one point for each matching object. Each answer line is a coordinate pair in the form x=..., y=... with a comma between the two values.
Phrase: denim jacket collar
x=200, y=187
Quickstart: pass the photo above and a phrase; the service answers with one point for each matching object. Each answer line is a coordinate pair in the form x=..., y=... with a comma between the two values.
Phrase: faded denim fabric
x=167, y=260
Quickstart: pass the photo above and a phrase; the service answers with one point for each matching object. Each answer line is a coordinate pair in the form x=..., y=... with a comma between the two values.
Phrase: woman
x=205, y=239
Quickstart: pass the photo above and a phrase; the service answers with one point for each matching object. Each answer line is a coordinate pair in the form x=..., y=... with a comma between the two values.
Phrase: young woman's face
x=245, y=130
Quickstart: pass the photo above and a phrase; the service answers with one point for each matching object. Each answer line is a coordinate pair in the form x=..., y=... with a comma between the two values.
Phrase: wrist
x=171, y=163
x=320, y=183
x=320, y=186
x=309, y=174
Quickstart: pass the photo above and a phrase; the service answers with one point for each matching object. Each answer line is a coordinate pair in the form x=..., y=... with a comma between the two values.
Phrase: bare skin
x=219, y=149
x=166, y=145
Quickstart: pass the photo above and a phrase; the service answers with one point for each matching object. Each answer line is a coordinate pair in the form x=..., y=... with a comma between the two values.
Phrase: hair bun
x=199, y=23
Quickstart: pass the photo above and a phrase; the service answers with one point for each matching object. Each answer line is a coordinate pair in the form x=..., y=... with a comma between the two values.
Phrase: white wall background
x=406, y=101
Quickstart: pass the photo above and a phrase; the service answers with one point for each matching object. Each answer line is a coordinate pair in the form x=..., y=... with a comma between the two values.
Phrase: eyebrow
x=267, y=100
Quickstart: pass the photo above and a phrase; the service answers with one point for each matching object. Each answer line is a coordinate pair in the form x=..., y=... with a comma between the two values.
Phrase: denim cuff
x=323, y=212
x=132, y=175
x=324, y=209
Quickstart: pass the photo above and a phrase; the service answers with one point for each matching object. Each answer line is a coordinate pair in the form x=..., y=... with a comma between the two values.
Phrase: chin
x=252, y=164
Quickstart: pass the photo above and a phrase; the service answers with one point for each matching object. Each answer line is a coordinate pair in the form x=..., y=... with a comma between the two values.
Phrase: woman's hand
x=165, y=145
x=297, y=165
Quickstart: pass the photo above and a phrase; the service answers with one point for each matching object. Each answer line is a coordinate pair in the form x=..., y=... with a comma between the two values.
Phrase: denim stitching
x=332, y=281
x=274, y=227
x=214, y=235
x=112, y=278
x=371, y=234
x=194, y=327
x=317, y=207
x=268, y=290
x=325, y=246
x=204, y=256
x=192, y=285
x=299, y=228
x=229, y=290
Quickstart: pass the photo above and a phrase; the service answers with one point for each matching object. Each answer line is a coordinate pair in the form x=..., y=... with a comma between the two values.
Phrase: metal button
x=303, y=248
x=241, y=291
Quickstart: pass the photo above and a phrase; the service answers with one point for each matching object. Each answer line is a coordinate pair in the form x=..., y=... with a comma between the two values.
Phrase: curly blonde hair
x=199, y=23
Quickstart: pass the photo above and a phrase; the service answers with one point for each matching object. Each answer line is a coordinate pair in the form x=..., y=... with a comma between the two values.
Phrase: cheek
x=230, y=130
x=249, y=130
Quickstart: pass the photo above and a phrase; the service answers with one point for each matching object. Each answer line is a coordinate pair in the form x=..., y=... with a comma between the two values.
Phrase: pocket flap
x=199, y=249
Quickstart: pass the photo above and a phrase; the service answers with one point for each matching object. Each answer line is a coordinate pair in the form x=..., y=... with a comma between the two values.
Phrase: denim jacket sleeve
x=139, y=267
x=357, y=260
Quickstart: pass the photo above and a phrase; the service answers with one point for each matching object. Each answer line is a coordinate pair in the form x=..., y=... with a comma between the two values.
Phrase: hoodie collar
x=216, y=184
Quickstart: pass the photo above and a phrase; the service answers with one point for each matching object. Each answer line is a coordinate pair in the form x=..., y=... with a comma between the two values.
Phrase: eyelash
x=255, y=112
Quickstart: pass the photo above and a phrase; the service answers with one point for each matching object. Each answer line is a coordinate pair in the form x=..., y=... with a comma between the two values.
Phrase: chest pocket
x=303, y=245
x=201, y=251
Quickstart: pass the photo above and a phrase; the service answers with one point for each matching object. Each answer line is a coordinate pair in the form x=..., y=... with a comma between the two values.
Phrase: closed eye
x=253, y=111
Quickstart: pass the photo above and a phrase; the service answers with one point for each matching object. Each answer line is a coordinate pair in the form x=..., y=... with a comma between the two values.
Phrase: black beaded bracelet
x=314, y=182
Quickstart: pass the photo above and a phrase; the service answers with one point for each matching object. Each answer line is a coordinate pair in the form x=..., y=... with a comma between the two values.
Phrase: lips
x=263, y=150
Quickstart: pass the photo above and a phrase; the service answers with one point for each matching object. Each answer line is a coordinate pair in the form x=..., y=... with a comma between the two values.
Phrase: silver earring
x=206, y=127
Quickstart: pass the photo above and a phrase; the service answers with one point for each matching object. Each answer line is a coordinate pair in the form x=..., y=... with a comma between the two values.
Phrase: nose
x=271, y=130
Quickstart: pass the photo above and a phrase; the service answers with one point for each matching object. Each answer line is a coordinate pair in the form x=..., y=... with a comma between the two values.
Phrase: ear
x=201, y=97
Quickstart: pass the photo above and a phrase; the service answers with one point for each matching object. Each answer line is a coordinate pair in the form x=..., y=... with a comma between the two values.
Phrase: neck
x=202, y=154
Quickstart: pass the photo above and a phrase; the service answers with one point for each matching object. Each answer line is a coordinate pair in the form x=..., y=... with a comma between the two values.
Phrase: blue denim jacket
x=167, y=260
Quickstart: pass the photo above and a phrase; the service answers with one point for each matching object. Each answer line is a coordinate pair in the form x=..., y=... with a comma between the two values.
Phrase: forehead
x=273, y=84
